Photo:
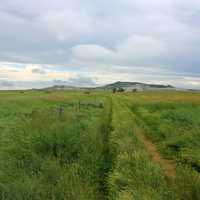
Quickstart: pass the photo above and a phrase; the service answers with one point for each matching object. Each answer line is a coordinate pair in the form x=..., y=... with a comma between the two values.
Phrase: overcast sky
x=91, y=42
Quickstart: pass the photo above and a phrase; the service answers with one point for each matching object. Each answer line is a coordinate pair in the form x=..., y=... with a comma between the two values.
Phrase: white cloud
x=133, y=50
x=91, y=52
x=28, y=73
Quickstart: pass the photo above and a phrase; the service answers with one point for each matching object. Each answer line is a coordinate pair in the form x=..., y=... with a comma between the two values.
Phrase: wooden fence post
x=60, y=111
x=79, y=105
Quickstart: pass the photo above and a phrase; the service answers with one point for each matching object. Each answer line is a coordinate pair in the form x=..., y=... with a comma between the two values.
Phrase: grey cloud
x=82, y=81
x=94, y=33
x=135, y=50
x=6, y=84
x=79, y=81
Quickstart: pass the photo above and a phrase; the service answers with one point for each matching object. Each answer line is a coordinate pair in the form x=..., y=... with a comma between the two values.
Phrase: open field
x=69, y=145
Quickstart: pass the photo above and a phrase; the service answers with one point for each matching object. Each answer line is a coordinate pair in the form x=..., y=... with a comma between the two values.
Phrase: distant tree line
x=118, y=90
x=122, y=90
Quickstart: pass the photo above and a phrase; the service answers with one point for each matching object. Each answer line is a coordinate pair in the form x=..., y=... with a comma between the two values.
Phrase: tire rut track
x=168, y=165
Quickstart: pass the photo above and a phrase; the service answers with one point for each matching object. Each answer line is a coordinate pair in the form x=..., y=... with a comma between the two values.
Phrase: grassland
x=75, y=146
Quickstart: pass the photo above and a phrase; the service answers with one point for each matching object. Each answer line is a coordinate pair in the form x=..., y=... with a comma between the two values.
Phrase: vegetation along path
x=167, y=165
x=134, y=174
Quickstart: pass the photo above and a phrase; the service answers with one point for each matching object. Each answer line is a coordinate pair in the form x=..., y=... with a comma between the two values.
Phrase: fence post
x=79, y=105
x=60, y=111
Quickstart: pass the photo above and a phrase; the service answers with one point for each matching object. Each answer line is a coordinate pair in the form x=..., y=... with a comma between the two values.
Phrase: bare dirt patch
x=167, y=165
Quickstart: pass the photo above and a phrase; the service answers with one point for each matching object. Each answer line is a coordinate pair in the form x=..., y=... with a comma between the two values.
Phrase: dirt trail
x=167, y=165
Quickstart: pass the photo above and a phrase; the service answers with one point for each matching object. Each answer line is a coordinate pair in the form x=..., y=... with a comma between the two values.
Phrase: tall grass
x=134, y=175
x=48, y=156
x=174, y=127
x=107, y=153
x=73, y=146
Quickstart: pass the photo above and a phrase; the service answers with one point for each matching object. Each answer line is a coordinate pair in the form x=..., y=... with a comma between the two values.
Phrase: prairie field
x=73, y=145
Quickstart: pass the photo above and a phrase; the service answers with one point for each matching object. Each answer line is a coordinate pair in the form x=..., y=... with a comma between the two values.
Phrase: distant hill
x=67, y=87
x=128, y=86
x=61, y=87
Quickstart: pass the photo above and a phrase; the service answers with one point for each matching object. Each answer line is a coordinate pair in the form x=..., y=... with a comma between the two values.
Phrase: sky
x=91, y=43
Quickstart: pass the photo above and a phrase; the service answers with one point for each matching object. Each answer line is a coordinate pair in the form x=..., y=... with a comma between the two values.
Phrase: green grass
x=45, y=155
x=76, y=146
x=134, y=176
x=174, y=125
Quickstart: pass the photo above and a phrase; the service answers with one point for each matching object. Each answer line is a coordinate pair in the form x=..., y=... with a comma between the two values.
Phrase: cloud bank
x=103, y=41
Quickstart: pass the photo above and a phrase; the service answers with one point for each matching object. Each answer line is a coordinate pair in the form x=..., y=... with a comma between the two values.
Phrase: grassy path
x=134, y=175
x=167, y=165
x=182, y=180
